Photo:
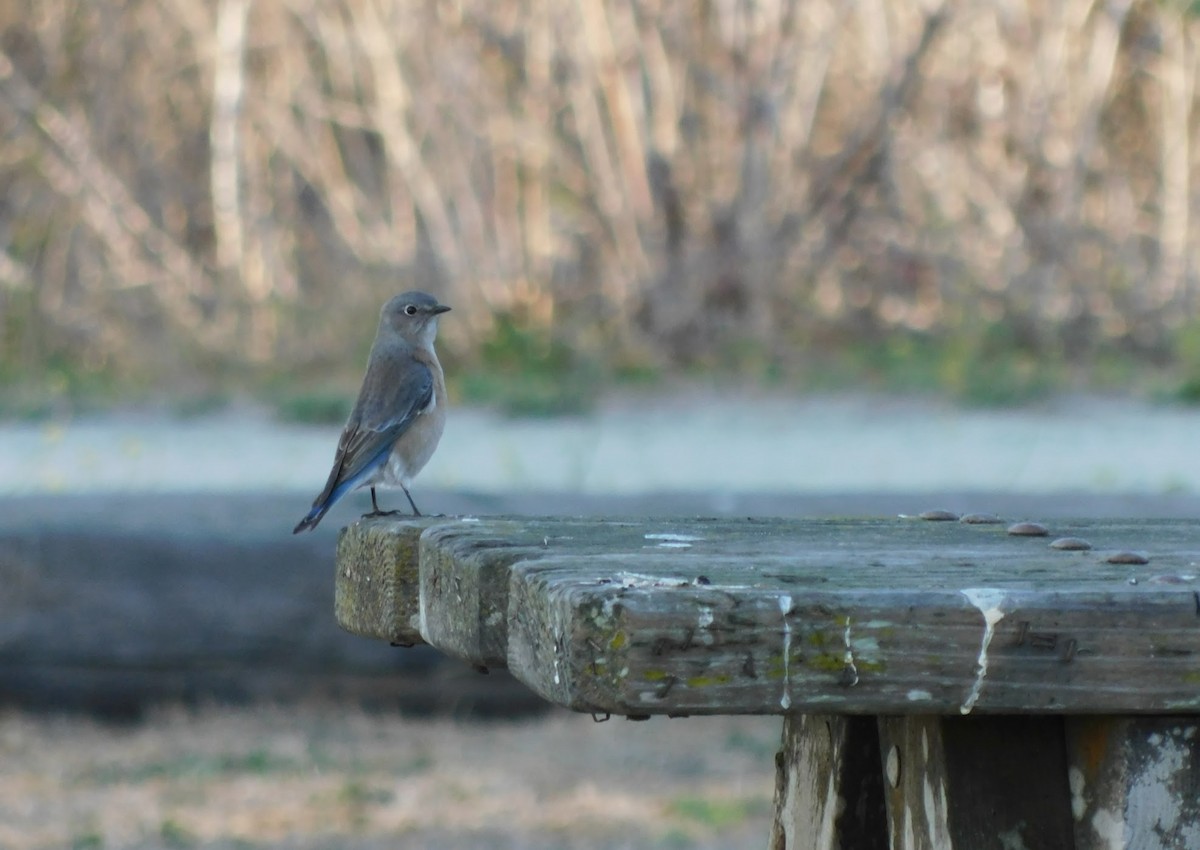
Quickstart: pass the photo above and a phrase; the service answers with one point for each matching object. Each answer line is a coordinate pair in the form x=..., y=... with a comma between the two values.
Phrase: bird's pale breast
x=416, y=445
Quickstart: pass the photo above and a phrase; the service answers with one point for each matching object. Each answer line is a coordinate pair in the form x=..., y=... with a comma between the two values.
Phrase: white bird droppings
x=672, y=541
x=848, y=659
x=785, y=608
x=638, y=580
x=989, y=601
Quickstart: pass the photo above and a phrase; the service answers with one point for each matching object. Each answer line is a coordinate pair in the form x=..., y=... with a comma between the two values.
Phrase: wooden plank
x=377, y=589
x=1135, y=782
x=829, y=787
x=464, y=586
x=860, y=616
x=975, y=783
x=466, y=569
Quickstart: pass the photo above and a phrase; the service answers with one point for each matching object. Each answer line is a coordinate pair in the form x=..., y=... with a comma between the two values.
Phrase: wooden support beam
x=1135, y=781
x=976, y=783
x=828, y=785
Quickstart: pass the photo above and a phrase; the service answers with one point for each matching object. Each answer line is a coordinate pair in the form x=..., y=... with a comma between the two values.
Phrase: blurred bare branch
x=247, y=179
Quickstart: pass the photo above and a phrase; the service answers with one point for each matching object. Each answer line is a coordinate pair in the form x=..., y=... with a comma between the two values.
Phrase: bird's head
x=413, y=315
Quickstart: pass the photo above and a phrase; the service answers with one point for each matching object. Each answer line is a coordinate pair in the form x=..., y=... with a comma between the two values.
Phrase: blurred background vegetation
x=987, y=199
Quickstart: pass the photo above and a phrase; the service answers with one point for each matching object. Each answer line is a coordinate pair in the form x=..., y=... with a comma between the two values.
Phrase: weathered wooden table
x=942, y=684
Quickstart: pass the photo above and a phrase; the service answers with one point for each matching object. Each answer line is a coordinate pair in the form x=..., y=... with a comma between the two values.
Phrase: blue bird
x=400, y=413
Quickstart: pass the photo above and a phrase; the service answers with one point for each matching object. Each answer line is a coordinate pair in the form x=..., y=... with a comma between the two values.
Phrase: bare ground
x=330, y=776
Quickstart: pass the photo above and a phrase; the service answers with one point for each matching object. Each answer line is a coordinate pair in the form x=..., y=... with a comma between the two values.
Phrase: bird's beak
x=441, y=308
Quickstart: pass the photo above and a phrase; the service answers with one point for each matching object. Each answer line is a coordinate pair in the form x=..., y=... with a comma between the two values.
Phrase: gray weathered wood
x=464, y=586
x=975, y=783
x=1135, y=782
x=778, y=616
x=885, y=634
x=377, y=591
x=828, y=786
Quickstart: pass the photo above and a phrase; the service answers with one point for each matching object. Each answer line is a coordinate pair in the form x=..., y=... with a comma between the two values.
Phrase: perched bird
x=401, y=409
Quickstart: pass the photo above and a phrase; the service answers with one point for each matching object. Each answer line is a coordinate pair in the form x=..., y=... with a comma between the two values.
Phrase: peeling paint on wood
x=828, y=787
x=1135, y=782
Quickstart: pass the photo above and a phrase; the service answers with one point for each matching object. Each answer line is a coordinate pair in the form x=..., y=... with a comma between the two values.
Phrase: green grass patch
x=717, y=814
x=313, y=407
x=674, y=839
x=175, y=834
x=258, y=762
x=527, y=370
x=61, y=387
x=529, y=395
x=986, y=370
x=90, y=840
x=1186, y=344
x=194, y=405
x=357, y=793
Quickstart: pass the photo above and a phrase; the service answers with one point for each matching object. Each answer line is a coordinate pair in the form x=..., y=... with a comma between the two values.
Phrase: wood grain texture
x=975, y=783
x=376, y=593
x=828, y=786
x=1135, y=781
x=829, y=616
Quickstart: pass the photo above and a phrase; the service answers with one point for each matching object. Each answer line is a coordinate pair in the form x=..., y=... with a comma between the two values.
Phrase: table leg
x=1135, y=781
x=976, y=783
x=828, y=790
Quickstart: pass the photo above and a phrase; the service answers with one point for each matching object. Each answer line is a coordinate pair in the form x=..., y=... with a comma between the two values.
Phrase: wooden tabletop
x=779, y=616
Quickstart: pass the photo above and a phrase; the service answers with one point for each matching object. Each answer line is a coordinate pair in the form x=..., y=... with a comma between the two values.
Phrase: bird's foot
x=373, y=514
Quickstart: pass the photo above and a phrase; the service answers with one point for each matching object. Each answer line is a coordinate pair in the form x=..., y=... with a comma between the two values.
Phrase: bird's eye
x=410, y=310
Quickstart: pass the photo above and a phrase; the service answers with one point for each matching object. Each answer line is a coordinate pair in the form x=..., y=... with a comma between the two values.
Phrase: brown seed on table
x=1028, y=529
x=1127, y=558
x=980, y=519
x=1071, y=544
x=938, y=516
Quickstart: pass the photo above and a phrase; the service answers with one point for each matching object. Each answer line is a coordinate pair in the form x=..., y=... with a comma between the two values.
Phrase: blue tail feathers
x=321, y=506
x=312, y=517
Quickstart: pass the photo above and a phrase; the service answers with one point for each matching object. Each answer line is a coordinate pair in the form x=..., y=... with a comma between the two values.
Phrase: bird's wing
x=385, y=410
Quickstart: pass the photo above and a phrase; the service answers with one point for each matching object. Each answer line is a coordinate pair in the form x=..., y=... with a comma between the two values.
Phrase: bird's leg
x=376, y=511
x=410, y=500
x=375, y=506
